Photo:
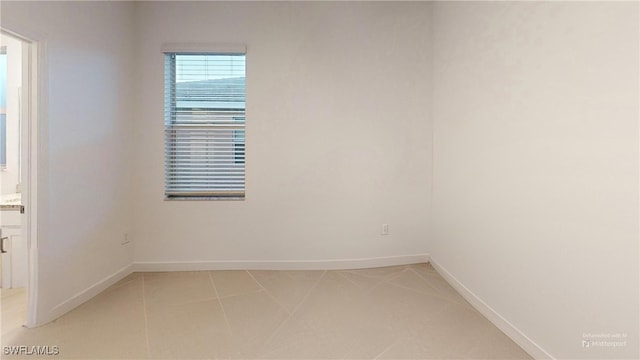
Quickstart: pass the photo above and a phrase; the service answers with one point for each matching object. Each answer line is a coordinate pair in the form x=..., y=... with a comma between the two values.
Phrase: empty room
x=320, y=180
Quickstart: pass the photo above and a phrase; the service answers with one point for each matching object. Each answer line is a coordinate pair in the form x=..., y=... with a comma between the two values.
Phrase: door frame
x=33, y=99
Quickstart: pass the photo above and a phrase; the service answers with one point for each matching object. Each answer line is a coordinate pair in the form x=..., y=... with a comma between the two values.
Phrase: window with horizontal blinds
x=204, y=125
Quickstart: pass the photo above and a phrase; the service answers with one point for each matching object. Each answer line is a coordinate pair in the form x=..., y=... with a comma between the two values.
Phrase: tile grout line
x=387, y=349
x=190, y=302
x=422, y=293
x=146, y=321
x=439, y=292
x=240, y=294
x=425, y=280
x=268, y=293
x=216, y=297
x=366, y=292
x=379, y=280
x=376, y=285
x=213, y=283
x=309, y=293
x=275, y=332
x=436, y=293
x=274, y=351
x=362, y=272
x=346, y=278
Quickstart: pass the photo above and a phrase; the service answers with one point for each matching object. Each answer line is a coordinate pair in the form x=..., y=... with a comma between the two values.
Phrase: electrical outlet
x=125, y=239
x=385, y=229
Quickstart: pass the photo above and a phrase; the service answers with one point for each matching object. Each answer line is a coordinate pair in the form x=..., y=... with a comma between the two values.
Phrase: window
x=204, y=125
x=3, y=141
x=3, y=107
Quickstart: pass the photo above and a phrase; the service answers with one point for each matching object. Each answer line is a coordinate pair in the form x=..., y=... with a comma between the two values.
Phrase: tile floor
x=14, y=309
x=400, y=312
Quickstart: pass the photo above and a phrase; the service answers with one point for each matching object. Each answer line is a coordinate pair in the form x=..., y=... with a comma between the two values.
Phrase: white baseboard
x=84, y=295
x=150, y=266
x=500, y=322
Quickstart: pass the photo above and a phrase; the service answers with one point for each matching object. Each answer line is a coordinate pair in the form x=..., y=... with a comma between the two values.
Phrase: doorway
x=18, y=72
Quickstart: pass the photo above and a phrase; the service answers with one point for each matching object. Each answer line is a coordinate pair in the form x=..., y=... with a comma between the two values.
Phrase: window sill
x=206, y=198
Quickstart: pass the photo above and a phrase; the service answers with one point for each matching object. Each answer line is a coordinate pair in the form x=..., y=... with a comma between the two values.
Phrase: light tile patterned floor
x=400, y=312
x=13, y=303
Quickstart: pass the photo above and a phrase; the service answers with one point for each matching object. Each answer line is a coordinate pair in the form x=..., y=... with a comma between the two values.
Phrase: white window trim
x=205, y=48
x=199, y=48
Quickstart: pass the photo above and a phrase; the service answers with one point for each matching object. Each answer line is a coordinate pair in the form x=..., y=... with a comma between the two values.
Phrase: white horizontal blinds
x=205, y=125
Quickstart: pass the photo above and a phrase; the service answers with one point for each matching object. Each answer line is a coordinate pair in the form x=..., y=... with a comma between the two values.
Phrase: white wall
x=536, y=165
x=10, y=176
x=338, y=133
x=84, y=162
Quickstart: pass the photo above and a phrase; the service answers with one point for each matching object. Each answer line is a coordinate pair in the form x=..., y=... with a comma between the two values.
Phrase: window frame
x=171, y=125
x=3, y=113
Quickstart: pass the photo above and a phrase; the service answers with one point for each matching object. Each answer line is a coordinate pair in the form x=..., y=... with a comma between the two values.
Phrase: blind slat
x=204, y=125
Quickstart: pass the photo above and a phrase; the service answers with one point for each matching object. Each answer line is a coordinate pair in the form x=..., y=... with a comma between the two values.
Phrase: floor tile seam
x=380, y=282
x=500, y=333
x=388, y=348
x=155, y=281
x=224, y=313
x=354, y=272
x=130, y=278
x=416, y=337
x=172, y=273
x=216, y=297
x=429, y=272
x=380, y=279
x=283, y=347
x=286, y=320
x=371, y=289
x=266, y=354
x=117, y=286
x=475, y=345
x=395, y=274
x=241, y=294
x=436, y=289
x=451, y=305
x=431, y=316
x=309, y=292
x=269, y=293
x=146, y=321
x=339, y=273
x=358, y=341
x=429, y=278
x=435, y=293
x=188, y=302
x=435, y=275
